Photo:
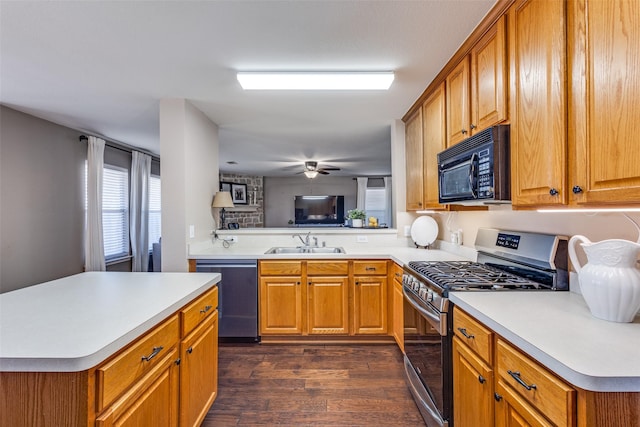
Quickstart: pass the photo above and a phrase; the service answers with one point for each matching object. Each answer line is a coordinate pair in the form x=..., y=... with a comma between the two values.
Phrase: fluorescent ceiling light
x=316, y=81
x=579, y=210
x=314, y=197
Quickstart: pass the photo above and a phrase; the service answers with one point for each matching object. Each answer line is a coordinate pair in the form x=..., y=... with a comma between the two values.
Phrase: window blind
x=115, y=212
x=154, y=210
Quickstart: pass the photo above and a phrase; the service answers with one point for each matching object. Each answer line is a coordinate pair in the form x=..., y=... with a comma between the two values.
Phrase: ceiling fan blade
x=322, y=172
x=330, y=169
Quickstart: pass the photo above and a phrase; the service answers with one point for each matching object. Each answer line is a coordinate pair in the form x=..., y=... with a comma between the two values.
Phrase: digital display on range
x=510, y=241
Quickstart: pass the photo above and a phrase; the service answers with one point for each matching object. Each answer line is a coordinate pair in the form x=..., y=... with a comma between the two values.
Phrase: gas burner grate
x=468, y=275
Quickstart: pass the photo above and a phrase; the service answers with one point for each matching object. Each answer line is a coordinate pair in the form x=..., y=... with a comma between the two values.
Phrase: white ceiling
x=103, y=66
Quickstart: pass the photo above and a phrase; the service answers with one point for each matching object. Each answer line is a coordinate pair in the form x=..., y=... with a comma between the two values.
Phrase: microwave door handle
x=472, y=173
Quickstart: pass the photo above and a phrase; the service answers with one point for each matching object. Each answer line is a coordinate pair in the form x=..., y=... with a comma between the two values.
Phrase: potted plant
x=357, y=217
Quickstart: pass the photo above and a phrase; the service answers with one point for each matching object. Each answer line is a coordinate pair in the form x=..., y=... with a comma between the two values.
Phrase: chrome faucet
x=304, y=241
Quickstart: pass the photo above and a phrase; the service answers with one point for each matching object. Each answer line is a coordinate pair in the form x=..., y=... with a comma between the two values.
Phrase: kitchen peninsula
x=106, y=347
x=554, y=331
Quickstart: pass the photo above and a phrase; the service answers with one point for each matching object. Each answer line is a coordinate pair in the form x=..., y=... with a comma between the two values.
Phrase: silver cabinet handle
x=468, y=336
x=516, y=376
x=206, y=308
x=153, y=354
x=370, y=269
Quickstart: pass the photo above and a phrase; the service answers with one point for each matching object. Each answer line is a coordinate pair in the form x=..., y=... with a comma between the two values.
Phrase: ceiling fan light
x=316, y=80
x=311, y=174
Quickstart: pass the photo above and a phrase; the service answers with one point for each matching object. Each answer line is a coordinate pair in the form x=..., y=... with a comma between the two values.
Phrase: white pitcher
x=610, y=280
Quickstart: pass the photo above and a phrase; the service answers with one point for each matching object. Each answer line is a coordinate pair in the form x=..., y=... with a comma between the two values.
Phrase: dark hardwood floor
x=312, y=385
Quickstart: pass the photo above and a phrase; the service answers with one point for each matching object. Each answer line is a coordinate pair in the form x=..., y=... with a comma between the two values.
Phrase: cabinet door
x=153, y=401
x=370, y=305
x=281, y=305
x=489, y=78
x=458, y=103
x=199, y=372
x=512, y=411
x=413, y=156
x=328, y=305
x=472, y=388
x=435, y=140
x=538, y=102
x=398, y=315
x=605, y=91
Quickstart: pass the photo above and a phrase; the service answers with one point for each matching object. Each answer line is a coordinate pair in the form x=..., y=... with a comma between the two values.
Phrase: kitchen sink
x=305, y=250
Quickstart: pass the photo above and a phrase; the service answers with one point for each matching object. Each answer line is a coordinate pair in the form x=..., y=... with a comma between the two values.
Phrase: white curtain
x=94, y=247
x=361, y=196
x=139, y=210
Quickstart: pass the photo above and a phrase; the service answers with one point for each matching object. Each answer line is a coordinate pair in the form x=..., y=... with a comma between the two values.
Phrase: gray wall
x=41, y=200
x=279, y=194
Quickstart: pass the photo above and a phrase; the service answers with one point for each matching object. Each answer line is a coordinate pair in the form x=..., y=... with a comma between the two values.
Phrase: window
x=376, y=201
x=115, y=212
x=154, y=210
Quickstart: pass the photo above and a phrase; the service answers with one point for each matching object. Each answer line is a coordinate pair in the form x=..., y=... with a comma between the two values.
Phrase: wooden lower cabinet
x=323, y=298
x=472, y=388
x=370, y=305
x=281, y=305
x=199, y=372
x=328, y=305
x=511, y=410
x=398, y=307
x=151, y=402
x=524, y=393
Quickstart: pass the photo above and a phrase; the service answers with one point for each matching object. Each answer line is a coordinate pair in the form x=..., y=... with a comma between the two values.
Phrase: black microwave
x=476, y=170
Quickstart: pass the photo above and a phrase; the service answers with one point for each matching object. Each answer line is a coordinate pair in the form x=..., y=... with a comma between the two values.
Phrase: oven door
x=427, y=359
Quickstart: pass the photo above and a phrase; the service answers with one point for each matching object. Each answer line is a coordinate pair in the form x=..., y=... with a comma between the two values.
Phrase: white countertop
x=399, y=254
x=74, y=323
x=557, y=329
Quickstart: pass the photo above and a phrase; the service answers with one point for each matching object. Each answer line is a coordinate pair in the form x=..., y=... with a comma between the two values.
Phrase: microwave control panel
x=485, y=173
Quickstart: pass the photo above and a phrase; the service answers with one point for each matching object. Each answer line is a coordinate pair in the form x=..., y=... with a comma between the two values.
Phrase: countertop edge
x=93, y=360
x=577, y=379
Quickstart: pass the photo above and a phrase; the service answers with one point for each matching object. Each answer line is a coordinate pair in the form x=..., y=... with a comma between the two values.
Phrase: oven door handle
x=435, y=318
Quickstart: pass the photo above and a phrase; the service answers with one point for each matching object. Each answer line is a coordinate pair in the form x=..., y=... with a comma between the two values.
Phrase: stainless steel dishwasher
x=237, y=297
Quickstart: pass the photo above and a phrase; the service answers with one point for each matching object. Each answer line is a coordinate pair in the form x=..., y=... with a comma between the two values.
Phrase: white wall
x=399, y=181
x=280, y=191
x=41, y=200
x=189, y=168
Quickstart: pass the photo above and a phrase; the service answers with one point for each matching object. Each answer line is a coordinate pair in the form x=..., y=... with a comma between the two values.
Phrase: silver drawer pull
x=516, y=376
x=468, y=336
x=206, y=308
x=153, y=354
x=370, y=269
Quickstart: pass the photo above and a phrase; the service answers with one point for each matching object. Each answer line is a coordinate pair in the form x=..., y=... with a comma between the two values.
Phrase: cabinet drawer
x=327, y=268
x=473, y=334
x=369, y=268
x=543, y=390
x=280, y=268
x=136, y=360
x=197, y=311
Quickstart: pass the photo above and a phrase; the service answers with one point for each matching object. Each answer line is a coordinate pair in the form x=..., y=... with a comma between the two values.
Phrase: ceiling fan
x=311, y=169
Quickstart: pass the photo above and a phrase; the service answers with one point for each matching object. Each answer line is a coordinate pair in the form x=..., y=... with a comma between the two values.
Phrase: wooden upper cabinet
x=414, y=156
x=489, y=78
x=538, y=102
x=458, y=103
x=605, y=87
x=434, y=133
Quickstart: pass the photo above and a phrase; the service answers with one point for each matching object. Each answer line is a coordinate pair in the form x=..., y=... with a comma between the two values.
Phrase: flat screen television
x=319, y=210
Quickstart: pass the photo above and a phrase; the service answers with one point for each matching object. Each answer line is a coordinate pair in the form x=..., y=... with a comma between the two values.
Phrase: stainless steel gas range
x=507, y=261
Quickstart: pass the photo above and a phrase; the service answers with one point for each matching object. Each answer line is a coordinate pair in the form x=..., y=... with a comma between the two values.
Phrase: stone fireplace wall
x=250, y=215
